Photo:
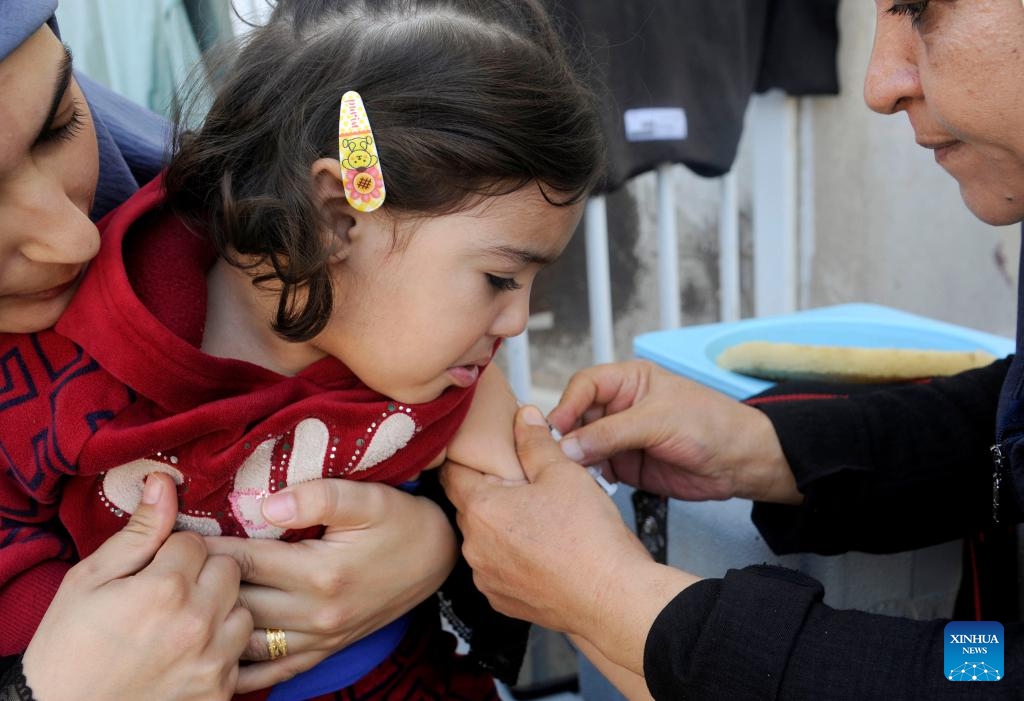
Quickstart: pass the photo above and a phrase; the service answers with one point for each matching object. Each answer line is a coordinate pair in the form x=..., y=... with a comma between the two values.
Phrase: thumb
x=132, y=548
x=336, y=503
x=536, y=447
x=605, y=438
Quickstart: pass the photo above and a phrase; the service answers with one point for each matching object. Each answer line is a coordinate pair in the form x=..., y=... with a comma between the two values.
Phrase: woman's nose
x=892, y=78
x=53, y=227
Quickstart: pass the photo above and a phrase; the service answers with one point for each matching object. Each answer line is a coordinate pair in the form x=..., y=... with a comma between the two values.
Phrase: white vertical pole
x=599, y=284
x=775, y=155
x=806, y=202
x=668, y=251
x=729, y=250
x=517, y=353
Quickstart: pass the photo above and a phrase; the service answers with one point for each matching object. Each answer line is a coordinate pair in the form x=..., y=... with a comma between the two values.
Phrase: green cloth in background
x=142, y=49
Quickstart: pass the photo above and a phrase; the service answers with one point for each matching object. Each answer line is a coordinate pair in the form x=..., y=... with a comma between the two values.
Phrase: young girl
x=253, y=321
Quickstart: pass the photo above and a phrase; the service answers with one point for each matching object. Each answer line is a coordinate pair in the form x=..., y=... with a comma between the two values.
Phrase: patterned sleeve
x=51, y=401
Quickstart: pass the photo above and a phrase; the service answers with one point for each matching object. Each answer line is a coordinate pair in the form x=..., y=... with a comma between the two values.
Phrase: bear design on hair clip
x=357, y=155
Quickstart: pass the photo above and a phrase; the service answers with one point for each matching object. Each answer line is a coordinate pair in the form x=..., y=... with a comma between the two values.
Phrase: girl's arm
x=484, y=441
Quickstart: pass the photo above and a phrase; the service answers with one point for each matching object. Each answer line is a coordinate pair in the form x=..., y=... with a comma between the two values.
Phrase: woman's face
x=49, y=166
x=956, y=67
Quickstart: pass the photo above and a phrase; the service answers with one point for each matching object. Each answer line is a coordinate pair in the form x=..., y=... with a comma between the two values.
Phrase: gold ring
x=277, y=643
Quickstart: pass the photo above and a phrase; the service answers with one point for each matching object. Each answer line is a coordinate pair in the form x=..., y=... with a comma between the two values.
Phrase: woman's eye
x=504, y=284
x=914, y=10
x=66, y=131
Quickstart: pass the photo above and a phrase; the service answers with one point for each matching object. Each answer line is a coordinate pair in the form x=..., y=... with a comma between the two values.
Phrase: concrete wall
x=889, y=224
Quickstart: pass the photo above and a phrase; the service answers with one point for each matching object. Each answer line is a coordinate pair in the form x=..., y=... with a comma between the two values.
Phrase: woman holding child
x=151, y=614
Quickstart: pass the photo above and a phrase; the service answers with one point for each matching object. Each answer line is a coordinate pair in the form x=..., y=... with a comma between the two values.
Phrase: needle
x=594, y=472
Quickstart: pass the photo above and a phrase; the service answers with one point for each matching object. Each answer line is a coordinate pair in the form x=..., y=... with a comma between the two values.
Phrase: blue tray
x=691, y=351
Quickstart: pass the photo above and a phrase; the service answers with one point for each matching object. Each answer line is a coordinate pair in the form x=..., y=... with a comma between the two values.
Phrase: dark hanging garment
x=677, y=74
x=801, y=41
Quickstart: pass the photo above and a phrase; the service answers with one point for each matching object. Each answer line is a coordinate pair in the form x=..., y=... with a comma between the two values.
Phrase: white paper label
x=656, y=124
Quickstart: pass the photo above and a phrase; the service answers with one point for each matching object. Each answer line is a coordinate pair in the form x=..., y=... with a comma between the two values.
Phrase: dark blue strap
x=1009, y=448
x=1010, y=418
x=344, y=667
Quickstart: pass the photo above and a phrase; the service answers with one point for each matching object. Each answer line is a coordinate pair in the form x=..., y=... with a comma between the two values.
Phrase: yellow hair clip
x=357, y=153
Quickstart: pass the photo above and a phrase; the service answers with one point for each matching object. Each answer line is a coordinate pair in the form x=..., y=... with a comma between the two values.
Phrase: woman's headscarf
x=132, y=141
x=20, y=19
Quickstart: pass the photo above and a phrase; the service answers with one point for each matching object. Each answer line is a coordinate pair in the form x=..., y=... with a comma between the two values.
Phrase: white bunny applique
x=306, y=453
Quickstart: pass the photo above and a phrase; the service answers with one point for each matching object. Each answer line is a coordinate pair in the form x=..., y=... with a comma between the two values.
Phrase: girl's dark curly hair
x=466, y=98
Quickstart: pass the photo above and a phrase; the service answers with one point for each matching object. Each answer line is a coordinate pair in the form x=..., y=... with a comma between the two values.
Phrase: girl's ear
x=337, y=215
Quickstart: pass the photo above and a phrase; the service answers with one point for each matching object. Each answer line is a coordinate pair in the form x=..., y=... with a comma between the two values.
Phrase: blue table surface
x=691, y=351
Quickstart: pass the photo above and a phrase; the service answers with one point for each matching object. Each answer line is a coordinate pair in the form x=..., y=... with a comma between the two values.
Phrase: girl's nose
x=513, y=318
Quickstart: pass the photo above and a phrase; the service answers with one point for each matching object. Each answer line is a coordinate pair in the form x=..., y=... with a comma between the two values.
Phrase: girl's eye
x=914, y=10
x=66, y=131
x=503, y=284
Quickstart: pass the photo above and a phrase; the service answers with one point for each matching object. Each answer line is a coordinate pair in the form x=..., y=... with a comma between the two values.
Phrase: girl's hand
x=384, y=552
x=147, y=616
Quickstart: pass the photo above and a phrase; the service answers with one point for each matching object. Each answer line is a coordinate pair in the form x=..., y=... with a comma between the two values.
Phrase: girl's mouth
x=464, y=375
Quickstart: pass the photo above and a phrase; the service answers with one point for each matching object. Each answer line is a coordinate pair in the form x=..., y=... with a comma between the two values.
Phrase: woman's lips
x=942, y=149
x=943, y=153
x=47, y=294
x=464, y=375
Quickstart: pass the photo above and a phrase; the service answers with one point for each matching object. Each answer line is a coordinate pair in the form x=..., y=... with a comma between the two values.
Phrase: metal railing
x=778, y=129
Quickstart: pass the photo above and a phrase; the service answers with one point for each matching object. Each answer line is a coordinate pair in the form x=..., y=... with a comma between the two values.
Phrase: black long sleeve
x=888, y=469
x=763, y=633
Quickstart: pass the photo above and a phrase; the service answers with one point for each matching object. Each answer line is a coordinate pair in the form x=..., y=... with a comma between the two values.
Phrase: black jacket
x=882, y=470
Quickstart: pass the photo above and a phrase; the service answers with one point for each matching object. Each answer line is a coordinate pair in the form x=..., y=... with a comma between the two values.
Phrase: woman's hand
x=147, y=616
x=383, y=553
x=555, y=551
x=668, y=435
